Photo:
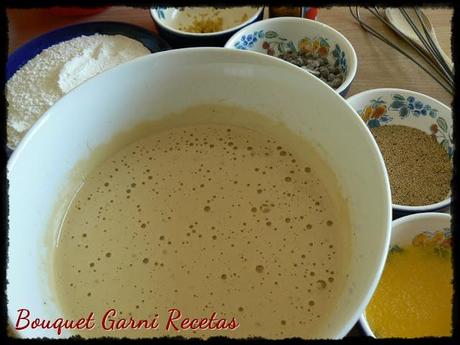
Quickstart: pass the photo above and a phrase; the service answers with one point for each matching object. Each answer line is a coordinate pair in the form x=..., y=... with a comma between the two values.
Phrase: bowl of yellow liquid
x=414, y=295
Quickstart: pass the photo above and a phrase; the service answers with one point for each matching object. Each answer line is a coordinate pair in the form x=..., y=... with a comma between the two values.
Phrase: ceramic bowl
x=411, y=230
x=173, y=21
x=277, y=35
x=32, y=48
x=128, y=95
x=380, y=107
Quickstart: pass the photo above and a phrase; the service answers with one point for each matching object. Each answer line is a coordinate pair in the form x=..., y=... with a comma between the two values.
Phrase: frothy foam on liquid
x=207, y=217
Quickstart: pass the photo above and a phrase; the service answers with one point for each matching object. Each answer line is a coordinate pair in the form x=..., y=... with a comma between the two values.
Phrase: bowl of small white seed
x=313, y=46
x=415, y=135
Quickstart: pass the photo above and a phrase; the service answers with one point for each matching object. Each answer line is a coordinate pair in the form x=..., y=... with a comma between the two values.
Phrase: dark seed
x=336, y=83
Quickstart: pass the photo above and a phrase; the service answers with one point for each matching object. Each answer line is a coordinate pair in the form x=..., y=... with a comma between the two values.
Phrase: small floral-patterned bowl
x=380, y=107
x=422, y=229
x=276, y=36
x=172, y=23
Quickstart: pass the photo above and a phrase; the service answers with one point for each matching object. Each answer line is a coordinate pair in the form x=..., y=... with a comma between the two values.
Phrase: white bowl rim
x=12, y=161
x=365, y=325
x=354, y=58
x=14, y=156
x=153, y=13
x=397, y=222
x=406, y=208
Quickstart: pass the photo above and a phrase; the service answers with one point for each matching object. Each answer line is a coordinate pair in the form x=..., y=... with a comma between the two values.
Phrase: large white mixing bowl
x=40, y=169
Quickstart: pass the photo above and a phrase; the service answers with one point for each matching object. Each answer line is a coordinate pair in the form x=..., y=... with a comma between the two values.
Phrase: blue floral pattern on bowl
x=247, y=41
x=379, y=112
x=161, y=12
x=273, y=43
x=340, y=59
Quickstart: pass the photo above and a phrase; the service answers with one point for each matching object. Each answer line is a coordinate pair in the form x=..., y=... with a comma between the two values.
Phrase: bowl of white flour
x=43, y=70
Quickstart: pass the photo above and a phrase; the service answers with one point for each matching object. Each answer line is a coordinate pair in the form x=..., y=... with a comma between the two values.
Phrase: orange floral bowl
x=381, y=107
x=430, y=231
x=278, y=36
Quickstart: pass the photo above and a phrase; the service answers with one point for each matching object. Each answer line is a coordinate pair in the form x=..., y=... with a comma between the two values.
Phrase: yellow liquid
x=414, y=296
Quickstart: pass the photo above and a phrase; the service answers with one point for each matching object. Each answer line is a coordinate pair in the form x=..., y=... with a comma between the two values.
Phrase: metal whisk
x=444, y=74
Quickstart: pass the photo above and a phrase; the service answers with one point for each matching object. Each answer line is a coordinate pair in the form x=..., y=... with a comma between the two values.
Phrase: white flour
x=43, y=80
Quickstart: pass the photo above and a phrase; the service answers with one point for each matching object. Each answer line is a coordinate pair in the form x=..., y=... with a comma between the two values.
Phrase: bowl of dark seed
x=415, y=135
x=313, y=46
